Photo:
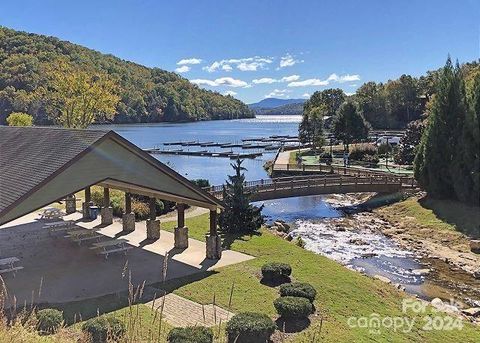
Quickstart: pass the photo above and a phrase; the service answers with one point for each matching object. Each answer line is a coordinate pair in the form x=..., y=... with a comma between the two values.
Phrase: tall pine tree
x=239, y=215
x=445, y=160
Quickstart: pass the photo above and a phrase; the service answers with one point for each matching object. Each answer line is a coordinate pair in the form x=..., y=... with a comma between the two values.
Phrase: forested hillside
x=146, y=94
x=389, y=105
x=289, y=109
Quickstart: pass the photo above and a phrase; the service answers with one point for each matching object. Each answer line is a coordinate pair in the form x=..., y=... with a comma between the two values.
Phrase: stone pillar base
x=128, y=222
x=153, y=229
x=181, y=237
x=214, y=247
x=107, y=215
x=85, y=210
x=70, y=205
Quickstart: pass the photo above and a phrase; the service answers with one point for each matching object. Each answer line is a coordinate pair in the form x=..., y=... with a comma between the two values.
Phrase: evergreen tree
x=239, y=215
x=446, y=164
x=349, y=125
x=409, y=142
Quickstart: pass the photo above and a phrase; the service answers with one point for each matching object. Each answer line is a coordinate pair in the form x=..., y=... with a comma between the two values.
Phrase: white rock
x=382, y=278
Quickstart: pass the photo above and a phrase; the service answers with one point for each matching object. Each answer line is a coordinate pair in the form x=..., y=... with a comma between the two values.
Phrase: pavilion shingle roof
x=28, y=156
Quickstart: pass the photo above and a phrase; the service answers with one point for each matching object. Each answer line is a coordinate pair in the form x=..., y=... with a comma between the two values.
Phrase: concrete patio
x=58, y=270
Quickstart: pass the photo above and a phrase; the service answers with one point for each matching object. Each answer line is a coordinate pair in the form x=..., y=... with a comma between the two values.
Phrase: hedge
x=250, y=327
x=293, y=307
x=298, y=289
x=103, y=328
x=49, y=320
x=190, y=334
x=274, y=270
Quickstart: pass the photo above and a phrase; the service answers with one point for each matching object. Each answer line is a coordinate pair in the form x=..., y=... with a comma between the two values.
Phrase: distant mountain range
x=278, y=106
x=274, y=102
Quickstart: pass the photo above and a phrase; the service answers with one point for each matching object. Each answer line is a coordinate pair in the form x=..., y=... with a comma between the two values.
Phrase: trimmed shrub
x=298, y=289
x=49, y=320
x=190, y=334
x=275, y=270
x=293, y=307
x=103, y=328
x=250, y=327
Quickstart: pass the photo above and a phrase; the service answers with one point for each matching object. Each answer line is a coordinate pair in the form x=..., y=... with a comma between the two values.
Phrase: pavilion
x=43, y=165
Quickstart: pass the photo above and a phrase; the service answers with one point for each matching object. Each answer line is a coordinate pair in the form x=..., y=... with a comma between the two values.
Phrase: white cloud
x=271, y=80
x=232, y=93
x=332, y=78
x=189, y=61
x=290, y=78
x=306, y=95
x=309, y=82
x=223, y=81
x=204, y=82
x=264, y=80
x=278, y=93
x=243, y=64
x=182, y=69
x=287, y=61
x=343, y=78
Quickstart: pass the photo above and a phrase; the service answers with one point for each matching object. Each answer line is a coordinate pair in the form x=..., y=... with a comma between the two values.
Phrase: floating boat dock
x=231, y=155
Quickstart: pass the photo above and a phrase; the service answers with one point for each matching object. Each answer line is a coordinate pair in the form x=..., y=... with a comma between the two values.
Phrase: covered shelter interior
x=41, y=166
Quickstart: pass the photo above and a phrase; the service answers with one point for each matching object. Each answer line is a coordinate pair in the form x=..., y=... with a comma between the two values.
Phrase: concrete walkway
x=58, y=270
x=181, y=312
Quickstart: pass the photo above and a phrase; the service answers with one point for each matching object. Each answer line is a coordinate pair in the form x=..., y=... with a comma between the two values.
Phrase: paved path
x=182, y=312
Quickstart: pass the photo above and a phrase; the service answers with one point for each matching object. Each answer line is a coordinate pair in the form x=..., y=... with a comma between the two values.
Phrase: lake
x=215, y=169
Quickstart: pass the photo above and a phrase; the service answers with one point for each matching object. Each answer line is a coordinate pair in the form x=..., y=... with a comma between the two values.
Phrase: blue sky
x=256, y=49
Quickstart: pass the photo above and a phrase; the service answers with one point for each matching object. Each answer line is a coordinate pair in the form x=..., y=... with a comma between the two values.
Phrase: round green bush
x=103, y=328
x=293, y=307
x=250, y=327
x=49, y=320
x=298, y=289
x=274, y=270
x=190, y=334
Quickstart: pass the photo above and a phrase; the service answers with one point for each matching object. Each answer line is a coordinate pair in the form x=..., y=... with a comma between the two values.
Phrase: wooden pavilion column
x=128, y=218
x=214, y=242
x=86, y=203
x=153, y=225
x=181, y=231
x=106, y=212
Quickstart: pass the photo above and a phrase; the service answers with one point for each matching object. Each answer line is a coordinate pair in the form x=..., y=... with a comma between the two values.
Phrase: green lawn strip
x=437, y=214
x=341, y=293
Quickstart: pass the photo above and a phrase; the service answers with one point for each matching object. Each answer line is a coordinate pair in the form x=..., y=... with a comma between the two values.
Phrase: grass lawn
x=438, y=214
x=341, y=293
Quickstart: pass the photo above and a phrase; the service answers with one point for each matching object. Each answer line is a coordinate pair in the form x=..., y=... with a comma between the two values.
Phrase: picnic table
x=8, y=265
x=59, y=226
x=82, y=235
x=111, y=246
x=51, y=213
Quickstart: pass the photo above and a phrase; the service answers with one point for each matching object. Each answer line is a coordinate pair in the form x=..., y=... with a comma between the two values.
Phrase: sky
x=257, y=48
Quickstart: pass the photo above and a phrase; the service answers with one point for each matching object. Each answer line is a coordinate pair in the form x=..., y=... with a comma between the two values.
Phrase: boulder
x=357, y=241
x=420, y=272
x=382, y=278
x=475, y=246
x=472, y=312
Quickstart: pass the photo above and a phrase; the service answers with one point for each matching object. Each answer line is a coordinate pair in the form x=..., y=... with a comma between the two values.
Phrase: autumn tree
x=78, y=97
x=19, y=119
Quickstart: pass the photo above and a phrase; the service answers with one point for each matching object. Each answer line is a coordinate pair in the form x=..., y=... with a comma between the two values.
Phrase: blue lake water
x=311, y=216
x=215, y=169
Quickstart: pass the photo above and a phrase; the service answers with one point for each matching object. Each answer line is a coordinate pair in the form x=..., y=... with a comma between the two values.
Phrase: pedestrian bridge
x=297, y=186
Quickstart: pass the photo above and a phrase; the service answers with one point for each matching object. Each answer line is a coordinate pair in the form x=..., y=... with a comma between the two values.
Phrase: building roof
x=31, y=157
